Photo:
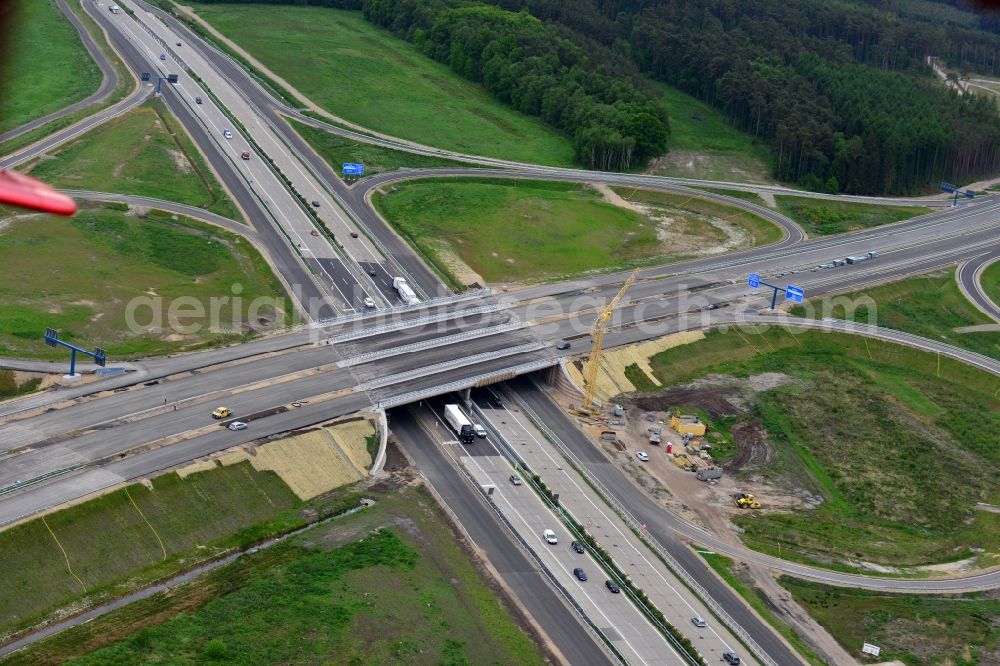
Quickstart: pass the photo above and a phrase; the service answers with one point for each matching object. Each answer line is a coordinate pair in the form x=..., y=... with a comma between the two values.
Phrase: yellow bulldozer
x=745, y=501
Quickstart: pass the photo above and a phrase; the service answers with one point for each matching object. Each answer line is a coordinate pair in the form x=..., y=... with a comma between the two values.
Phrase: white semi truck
x=405, y=292
x=459, y=423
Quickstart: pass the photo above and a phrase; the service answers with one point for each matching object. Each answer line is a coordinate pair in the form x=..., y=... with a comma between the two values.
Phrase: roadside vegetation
x=337, y=149
x=389, y=584
x=359, y=72
x=703, y=145
x=79, y=274
x=913, y=629
x=823, y=217
x=929, y=305
x=891, y=448
x=143, y=152
x=33, y=84
x=756, y=600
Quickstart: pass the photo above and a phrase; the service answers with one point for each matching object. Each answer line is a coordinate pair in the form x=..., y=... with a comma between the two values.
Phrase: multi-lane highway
x=63, y=445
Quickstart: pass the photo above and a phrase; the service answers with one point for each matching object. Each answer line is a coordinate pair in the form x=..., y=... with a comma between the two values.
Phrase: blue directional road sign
x=794, y=294
x=969, y=194
x=354, y=169
x=753, y=280
x=947, y=187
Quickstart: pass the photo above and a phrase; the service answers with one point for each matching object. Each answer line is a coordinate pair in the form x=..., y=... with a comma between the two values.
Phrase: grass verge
x=356, y=71
x=882, y=433
x=724, y=567
x=823, y=217
x=143, y=152
x=82, y=275
x=337, y=149
x=44, y=63
x=929, y=305
x=386, y=585
x=939, y=629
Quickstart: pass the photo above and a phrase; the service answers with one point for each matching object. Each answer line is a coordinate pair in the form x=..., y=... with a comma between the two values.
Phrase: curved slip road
x=969, y=278
x=109, y=79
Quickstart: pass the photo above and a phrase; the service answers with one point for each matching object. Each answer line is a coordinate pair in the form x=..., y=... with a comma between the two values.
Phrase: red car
x=245, y=155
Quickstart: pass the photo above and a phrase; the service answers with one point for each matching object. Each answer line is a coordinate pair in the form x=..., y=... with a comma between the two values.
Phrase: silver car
x=237, y=425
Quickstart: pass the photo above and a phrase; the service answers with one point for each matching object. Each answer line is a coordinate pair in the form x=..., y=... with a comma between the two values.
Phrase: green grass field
x=79, y=275
x=143, y=152
x=44, y=62
x=822, y=217
x=509, y=230
x=387, y=585
x=939, y=629
x=929, y=305
x=112, y=548
x=336, y=150
x=724, y=567
x=883, y=433
x=366, y=76
x=760, y=231
x=703, y=145
x=990, y=279
x=522, y=231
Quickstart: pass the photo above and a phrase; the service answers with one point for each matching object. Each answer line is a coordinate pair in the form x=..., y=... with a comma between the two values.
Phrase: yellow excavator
x=745, y=501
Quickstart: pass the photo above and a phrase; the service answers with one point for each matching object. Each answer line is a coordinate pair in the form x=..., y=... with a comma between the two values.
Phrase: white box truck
x=114, y=9
x=459, y=423
x=405, y=292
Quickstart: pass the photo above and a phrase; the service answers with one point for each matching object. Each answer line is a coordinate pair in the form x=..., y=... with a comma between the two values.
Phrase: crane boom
x=600, y=327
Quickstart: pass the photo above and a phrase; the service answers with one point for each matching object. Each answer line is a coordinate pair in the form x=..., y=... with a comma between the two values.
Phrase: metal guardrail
x=433, y=343
x=602, y=639
x=609, y=567
x=448, y=365
x=412, y=323
x=458, y=385
x=636, y=527
x=472, y=294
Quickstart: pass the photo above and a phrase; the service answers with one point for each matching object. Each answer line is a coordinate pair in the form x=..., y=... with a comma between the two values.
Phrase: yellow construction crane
x=600, y=327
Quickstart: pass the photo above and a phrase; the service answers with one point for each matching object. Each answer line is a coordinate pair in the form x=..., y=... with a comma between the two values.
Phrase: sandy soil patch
x=181, y=160
x=611, y=379
x=458, y=268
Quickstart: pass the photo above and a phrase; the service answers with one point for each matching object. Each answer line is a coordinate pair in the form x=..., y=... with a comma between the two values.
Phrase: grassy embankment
x=823, y=217
x=520, y=231
x=336, y=150
x=939, y=629
x=366, y=76
x=900, y=444
x=386, y=585
x=44, y=63
x=143, y=152
x=928, y=305
x=79, y=274
x=703, y=145
x=758, y=230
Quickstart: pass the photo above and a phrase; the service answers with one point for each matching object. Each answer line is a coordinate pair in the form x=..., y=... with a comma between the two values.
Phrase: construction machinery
x=745, y=501
x=600, y=328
